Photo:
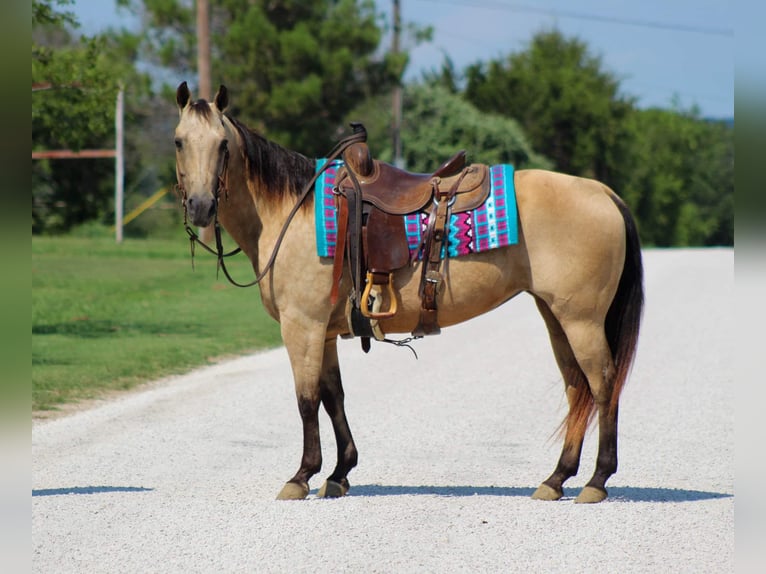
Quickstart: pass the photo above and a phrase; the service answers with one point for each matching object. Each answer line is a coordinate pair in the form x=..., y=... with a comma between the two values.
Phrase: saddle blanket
x=493, y=224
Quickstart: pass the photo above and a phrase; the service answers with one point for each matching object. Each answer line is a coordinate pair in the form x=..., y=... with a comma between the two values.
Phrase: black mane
x=279, y=169
x=201, y=108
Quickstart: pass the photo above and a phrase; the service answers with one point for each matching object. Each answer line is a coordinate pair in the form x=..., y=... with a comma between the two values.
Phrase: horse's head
x=201, y=153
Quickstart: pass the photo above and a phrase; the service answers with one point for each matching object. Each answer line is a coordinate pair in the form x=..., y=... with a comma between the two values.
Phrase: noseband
x=222, y=188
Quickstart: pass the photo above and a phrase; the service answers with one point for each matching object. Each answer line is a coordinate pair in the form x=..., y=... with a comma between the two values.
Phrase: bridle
x=221, y=188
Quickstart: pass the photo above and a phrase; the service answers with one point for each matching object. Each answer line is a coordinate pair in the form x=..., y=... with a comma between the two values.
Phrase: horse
x=578, y=255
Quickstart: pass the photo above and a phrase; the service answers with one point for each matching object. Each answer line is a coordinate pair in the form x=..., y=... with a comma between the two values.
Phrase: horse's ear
x=182, y=95
x=222, y=98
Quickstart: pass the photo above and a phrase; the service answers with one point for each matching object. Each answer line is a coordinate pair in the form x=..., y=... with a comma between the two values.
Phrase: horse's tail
x=622, y=324
x=623, y=320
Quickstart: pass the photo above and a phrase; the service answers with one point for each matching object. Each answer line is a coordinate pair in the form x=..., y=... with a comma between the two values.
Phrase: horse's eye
x=179, y=144
x=224, y=145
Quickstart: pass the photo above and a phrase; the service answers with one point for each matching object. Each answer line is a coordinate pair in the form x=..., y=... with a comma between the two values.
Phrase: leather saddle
x=372, y=199
x=398, y=192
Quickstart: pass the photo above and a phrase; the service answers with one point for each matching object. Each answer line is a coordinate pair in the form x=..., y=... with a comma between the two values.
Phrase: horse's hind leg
x=575, y=384
x=589, y=344
x=333, y=400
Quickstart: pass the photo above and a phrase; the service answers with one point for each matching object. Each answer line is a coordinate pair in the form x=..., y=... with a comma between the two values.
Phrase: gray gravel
x=182, y=477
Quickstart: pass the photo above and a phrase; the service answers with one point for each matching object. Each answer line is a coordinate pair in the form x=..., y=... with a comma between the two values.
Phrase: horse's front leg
x=305, y=347
x=332, y=396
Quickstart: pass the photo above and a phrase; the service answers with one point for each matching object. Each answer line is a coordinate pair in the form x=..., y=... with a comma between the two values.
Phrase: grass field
x=108, y=317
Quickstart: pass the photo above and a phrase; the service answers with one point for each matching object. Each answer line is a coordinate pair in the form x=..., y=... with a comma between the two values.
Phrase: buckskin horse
x=578, y=255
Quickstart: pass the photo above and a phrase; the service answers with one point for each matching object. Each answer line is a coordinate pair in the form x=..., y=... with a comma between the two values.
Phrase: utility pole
x=397, y=95
x=203, y=49
x=203, y=72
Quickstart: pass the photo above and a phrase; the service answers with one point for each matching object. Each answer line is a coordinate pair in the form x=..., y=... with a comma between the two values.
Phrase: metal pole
x=119, y=165
x=203, y=73
x=396, y=104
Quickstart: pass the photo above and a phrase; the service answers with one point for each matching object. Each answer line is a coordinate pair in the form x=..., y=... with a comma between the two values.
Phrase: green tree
x=569, y=107
x=75, y=80
x=680, y=181
x=437, y=123
x=295, y=68
x=79, y=71
x=448, y=76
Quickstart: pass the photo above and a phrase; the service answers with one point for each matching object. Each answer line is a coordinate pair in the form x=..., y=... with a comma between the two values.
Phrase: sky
x=664, y=52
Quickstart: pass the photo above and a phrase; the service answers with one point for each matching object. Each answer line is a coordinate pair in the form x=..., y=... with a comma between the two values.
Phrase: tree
x=77, y=79
x=569, y=107
x=674, y=170
x=447, y=76
x=680, y=181
x=80, y=72
x=437, y=123
x=295, y=68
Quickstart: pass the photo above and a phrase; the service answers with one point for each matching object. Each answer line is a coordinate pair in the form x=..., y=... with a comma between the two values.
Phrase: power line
x=513, y=7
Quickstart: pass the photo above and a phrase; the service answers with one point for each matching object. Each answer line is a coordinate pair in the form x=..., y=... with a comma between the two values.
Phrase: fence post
x=119, y=166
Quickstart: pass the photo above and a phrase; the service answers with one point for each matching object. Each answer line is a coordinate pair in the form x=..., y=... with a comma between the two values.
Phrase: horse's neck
x=237, y=211
x=254, y=219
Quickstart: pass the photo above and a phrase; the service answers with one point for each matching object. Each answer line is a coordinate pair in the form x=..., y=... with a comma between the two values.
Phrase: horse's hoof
x=293, y=491
x=590, y=495
x=545, y=492
x=332, y=489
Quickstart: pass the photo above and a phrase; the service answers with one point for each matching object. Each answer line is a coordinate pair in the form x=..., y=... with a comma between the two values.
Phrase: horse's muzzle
x=200, y=210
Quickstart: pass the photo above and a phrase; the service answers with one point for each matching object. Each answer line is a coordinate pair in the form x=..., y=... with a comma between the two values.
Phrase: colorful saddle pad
x=493, y=224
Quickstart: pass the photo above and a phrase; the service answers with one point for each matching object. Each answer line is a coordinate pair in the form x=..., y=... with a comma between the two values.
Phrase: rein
x=222, y=186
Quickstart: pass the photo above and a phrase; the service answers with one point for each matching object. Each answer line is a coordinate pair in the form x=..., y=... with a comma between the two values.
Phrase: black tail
x=623, y=320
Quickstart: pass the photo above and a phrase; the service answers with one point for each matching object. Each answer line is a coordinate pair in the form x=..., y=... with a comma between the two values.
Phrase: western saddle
x=372, y=200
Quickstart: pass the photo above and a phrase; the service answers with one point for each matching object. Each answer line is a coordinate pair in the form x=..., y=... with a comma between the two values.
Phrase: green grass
x=108, y=317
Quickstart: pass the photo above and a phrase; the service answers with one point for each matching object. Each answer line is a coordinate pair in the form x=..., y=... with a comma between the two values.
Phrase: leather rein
x=222, y=188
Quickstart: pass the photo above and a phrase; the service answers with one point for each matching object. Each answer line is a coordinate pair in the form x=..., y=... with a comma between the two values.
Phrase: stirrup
x=365, y=296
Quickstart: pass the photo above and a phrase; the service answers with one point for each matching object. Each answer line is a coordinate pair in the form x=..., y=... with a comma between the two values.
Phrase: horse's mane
x=201, y=108
x=279, y=169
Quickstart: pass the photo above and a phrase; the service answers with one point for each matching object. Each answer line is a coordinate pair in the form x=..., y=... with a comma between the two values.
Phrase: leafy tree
x=569, y=107
x=436, y=123
x=75, y=80
x=674, y=169
x=680, y=181
x=448, y=76
x=80, y=72
x=295, y=68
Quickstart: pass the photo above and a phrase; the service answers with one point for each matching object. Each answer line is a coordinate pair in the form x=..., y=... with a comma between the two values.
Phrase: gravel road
x=182, y=477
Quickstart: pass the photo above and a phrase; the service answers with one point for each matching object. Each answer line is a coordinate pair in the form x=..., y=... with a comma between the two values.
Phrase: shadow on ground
x=88, y=490
x=616, y=493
